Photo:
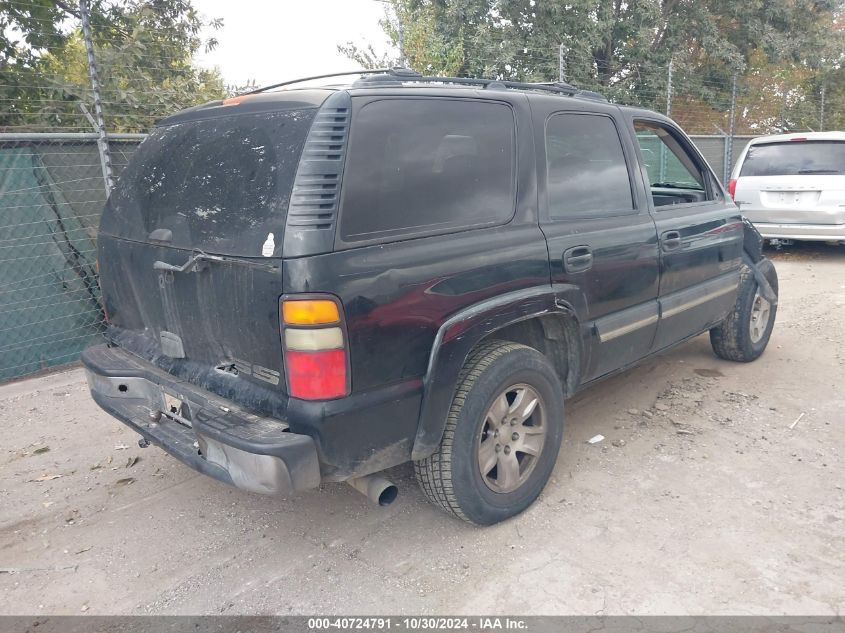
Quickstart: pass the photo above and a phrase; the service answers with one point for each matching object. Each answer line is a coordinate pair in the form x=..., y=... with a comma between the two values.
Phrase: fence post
x=102, y=140
x=663, y=156
x=402, y=61
x=821, y=110
x=561, y=65
x=729, y=142
x=783, y=112
x=669, y=88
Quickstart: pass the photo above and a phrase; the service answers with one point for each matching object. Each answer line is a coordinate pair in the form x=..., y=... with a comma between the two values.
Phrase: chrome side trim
x=697, y=301
x=627, y=329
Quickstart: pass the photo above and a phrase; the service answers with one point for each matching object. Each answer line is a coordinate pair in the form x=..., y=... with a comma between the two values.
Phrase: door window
x=675, y=174
x=586, y=171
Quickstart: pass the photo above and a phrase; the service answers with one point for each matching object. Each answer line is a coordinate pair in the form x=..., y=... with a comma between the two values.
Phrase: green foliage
x=144, y=51
x=623, y=48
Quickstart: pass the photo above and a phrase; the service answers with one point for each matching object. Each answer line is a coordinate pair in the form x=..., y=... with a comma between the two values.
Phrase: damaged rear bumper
x=207, y=433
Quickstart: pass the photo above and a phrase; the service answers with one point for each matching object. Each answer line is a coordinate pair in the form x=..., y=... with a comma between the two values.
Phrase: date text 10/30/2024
x=416, y=624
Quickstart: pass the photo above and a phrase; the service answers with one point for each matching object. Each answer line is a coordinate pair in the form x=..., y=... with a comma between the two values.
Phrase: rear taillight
x=315, y=349
x=316, y=375
x=732, y=187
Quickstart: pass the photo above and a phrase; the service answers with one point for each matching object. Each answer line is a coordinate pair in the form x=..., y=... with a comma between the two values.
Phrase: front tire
x=745, y=332
x=502, y=435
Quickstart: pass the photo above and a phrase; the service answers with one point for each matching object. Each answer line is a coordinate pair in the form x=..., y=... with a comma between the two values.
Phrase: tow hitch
x=778, y=243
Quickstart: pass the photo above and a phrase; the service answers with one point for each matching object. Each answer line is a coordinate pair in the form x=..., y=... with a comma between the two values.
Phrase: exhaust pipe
x=376, y=488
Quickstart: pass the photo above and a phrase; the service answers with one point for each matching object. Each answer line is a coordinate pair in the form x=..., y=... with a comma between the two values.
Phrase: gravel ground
x=706, y=497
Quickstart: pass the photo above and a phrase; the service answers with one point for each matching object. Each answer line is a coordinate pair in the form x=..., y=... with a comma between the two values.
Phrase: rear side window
x=794, y=158
x=423, y=166
x=220, y=185
x=587, y=173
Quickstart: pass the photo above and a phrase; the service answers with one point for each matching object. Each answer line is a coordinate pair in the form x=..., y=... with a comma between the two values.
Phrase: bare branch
x=68, y=9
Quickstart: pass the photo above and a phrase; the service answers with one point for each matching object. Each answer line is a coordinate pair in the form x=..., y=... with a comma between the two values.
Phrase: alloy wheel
x=511, y=438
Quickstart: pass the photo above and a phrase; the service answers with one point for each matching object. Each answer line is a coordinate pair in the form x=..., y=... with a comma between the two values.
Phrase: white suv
x=792, y=186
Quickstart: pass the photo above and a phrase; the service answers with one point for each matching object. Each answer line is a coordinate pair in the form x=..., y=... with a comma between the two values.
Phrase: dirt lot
x=702, y=499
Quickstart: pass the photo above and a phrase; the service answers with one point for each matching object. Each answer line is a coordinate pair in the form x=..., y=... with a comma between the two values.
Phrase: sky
x=273, y=40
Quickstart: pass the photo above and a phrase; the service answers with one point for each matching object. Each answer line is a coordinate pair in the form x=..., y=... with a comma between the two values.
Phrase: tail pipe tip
x=376, y=488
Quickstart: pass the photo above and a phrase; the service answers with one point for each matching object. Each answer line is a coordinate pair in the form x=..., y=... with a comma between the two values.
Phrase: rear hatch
x=793, y=182
x=190, y=247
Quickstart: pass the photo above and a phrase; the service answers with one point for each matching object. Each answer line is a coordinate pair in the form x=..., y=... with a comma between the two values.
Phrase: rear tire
x=502, y=435
x=745, y=332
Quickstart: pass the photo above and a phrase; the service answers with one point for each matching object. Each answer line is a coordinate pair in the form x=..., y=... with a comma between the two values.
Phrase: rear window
x=423, y=166
x=220, y=185
x=794, y=158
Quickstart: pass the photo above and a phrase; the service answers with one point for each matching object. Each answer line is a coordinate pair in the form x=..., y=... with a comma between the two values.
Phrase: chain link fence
x=51, y=195
x=69, y=129
x=81, y=83
x=52, y=192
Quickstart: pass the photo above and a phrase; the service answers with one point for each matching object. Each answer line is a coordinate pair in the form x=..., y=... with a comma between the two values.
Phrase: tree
x=26, y=30
x=144, y=51
x=623, y=48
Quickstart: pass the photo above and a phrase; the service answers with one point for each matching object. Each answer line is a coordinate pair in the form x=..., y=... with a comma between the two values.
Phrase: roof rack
x=394, y=76
x=304, y=79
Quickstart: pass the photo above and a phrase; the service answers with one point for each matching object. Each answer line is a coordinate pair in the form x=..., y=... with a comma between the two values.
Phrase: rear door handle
x=577, y=259
x=671, y=240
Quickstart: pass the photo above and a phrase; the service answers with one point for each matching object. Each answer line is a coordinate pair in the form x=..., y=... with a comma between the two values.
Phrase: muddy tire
x=502, y=435
x=745, y=332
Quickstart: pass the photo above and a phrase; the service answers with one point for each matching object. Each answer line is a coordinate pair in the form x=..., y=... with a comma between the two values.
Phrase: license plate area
x=789, y=198
x=176, y=408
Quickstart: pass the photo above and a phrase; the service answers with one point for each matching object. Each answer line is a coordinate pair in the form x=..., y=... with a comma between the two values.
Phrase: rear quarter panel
x=396, y=296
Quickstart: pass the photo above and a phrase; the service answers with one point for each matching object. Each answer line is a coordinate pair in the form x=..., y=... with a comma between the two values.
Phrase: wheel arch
x=536, y=317
x=554, y=335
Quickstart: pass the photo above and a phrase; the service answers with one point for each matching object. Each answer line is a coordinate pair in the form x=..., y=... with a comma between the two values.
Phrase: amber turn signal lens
x=303, y=312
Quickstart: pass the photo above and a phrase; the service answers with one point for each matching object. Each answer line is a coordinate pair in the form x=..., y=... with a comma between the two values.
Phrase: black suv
x=308, y=285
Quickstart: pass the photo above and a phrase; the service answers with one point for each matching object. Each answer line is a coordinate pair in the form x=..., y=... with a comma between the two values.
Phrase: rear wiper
x=819, y=171
x=192, y=265
x=188, y=265
x=675, y=185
